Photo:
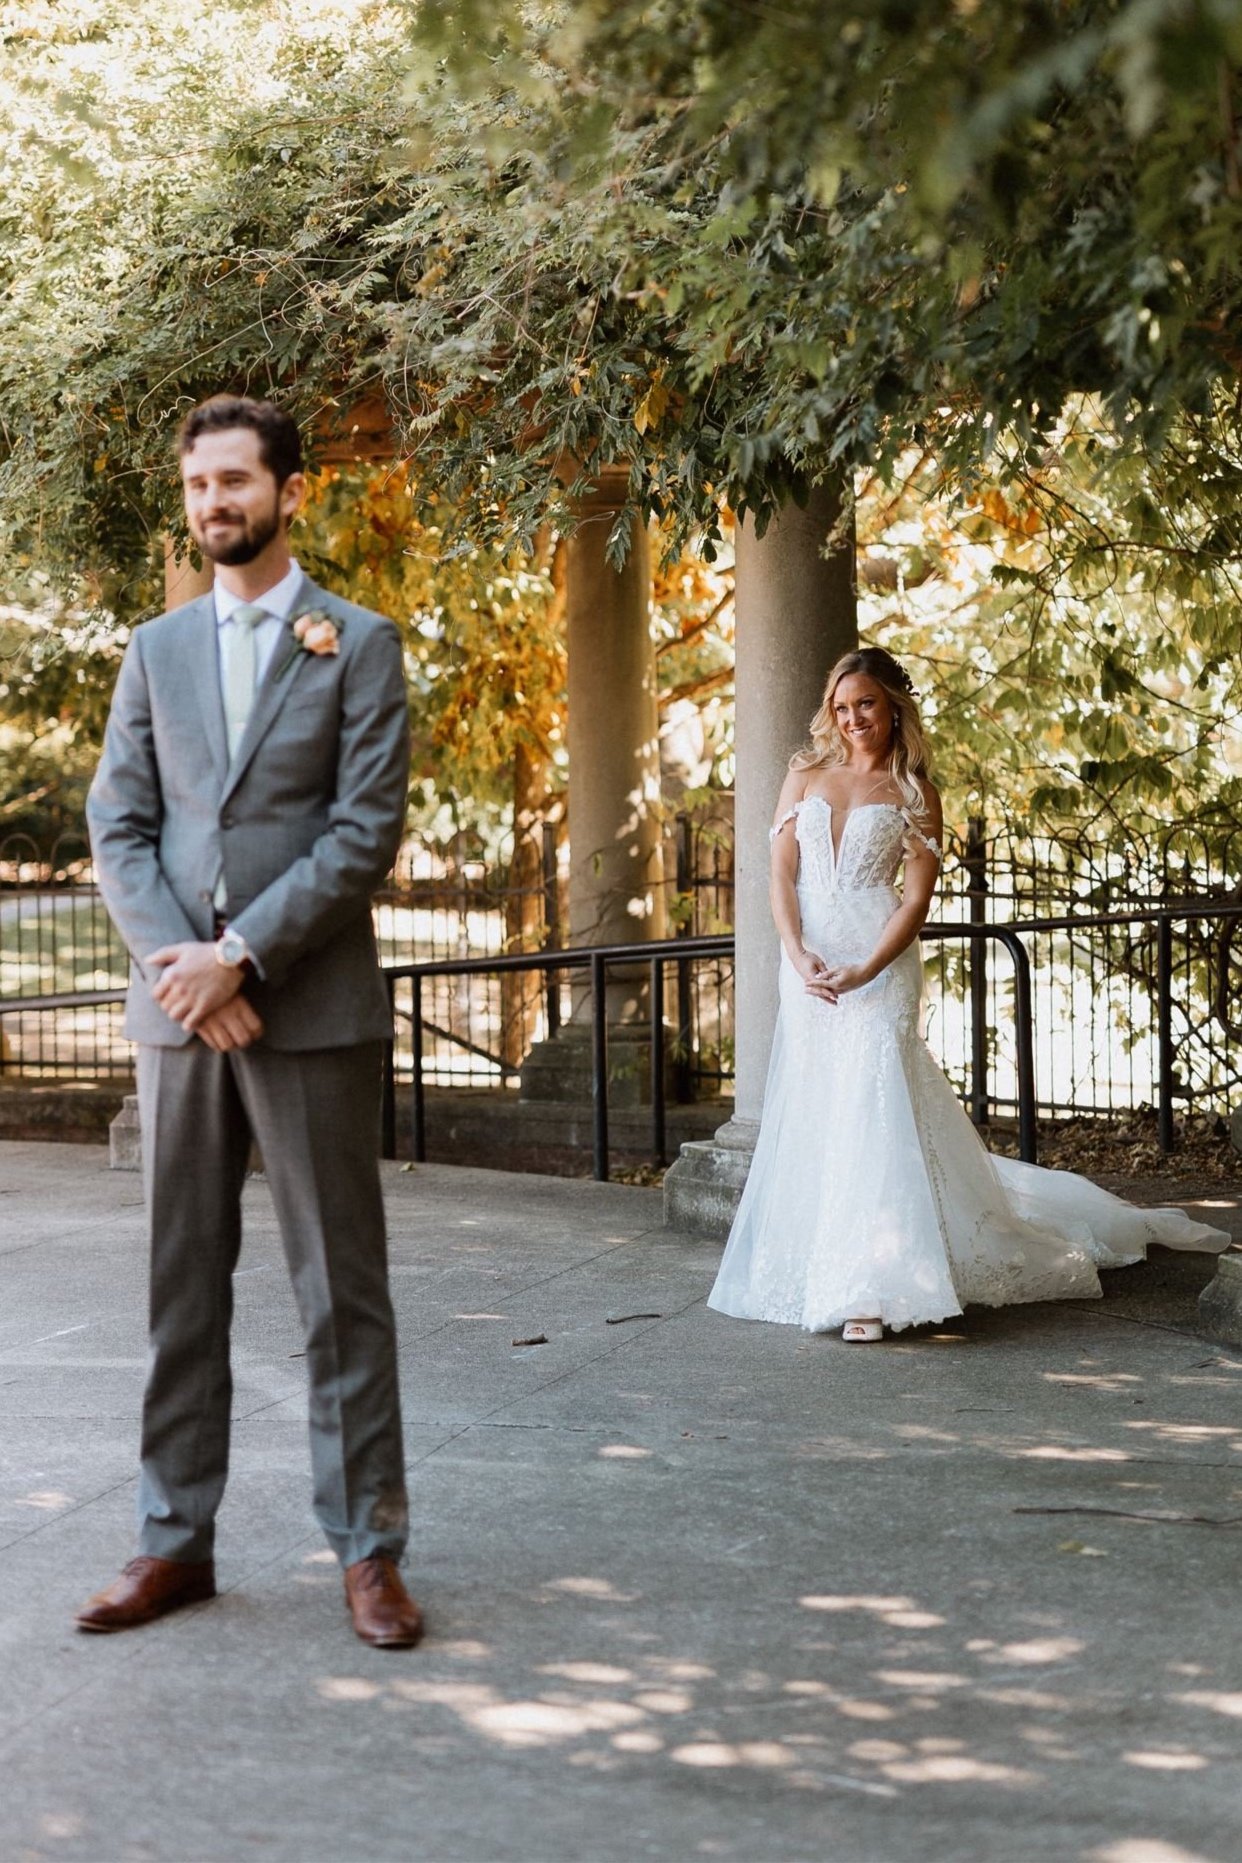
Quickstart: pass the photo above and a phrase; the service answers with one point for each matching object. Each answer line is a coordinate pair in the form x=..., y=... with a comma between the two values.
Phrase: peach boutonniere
x=314, y=632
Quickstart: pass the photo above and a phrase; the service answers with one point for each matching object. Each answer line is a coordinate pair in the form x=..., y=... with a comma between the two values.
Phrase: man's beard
x=244, y=544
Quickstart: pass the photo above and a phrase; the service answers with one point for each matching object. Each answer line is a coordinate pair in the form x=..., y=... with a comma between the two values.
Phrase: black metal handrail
x=598, y=959
x=1023, y=1016
x=1164, y=918
x=63, y=999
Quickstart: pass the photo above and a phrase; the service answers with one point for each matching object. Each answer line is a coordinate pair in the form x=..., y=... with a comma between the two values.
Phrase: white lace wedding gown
x=870, y=1194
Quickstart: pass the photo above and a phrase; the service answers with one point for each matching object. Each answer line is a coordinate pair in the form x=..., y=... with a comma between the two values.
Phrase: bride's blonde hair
x=909, y=758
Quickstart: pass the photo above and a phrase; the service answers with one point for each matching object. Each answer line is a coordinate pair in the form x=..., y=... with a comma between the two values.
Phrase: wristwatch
x=232, y=950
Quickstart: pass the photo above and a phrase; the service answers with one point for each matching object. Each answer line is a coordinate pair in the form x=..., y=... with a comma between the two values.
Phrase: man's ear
x=292, y=496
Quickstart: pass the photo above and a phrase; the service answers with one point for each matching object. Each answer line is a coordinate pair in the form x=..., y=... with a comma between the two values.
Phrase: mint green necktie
x=240, y=663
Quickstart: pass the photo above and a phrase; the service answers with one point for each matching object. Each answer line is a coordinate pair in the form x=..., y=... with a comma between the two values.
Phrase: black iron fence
x=1089, y=920
x=451, y=898
x=598, y=961
x=556, y=969
x=56, y=939
x=451, y=912
x=407, y=1062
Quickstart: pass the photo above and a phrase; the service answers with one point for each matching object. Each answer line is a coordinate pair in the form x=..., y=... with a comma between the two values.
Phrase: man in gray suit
x=250, y=798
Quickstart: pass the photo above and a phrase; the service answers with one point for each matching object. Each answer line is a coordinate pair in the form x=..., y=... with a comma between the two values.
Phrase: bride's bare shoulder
x=792, y=791
x=795, y=786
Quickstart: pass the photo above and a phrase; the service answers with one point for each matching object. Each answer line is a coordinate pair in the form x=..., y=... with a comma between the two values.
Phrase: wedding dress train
x=871, y=1194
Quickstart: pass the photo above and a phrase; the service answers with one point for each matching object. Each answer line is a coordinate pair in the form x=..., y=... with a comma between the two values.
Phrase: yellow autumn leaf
x=650, y=410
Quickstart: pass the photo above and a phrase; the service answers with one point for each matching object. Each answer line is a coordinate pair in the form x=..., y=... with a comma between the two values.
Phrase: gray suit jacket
x=304, y=823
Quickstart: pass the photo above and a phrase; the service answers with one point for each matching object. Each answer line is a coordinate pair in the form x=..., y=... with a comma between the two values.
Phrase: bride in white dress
x=871, y=1201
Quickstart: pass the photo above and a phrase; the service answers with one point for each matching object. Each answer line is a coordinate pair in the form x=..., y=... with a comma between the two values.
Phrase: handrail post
x=683, y=1065
x=1028, y=1137
x=976, y=865
x=1164, y=1033
x=551, y=926
x=599, y=1067
x=388, y=1088
x=683, y=1085
x=416, y=1042
x=659, y=1143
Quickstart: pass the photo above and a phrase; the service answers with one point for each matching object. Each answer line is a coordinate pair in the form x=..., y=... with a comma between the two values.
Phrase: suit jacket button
x=226, y=821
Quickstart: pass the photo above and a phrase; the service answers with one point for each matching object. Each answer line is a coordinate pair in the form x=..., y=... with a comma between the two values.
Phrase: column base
x=125, y=1141
x=1220, y=1303
x=125, y=1137
x=559, y=1069
x=703, y=1187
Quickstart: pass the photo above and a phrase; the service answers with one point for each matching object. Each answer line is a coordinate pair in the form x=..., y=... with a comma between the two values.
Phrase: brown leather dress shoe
x=383, y=1611
x=148, y=1588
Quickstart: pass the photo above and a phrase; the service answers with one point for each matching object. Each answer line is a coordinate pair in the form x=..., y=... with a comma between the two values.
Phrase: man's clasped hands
x=204, y=995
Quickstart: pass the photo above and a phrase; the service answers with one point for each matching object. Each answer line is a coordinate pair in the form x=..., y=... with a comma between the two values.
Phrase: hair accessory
x=892, y=669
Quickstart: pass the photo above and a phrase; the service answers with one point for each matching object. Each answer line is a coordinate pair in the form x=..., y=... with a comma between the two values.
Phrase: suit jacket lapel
x=204, y=656
x=277, y=682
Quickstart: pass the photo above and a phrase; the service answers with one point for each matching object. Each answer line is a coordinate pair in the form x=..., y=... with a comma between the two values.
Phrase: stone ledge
x=74, y=1112
x=504, y=1132
x=558, y=1071
x=498, y=1130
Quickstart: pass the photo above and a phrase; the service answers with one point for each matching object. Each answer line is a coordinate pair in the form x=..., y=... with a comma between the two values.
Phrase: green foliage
x=731, y=248
x=484, y=643
x=818, y=231
x=56, y=675
x=185, y=196
x=1068, y=636
x=987, y=251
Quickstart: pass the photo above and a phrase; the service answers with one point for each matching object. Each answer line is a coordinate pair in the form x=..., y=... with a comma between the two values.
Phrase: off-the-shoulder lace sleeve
x=915, y=840
x=776, y=827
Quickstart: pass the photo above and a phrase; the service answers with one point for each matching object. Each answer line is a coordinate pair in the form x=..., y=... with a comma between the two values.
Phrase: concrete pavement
x=696, y=1588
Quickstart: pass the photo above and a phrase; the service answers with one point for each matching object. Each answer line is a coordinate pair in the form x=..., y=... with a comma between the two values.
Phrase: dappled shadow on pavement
x=695, y=1588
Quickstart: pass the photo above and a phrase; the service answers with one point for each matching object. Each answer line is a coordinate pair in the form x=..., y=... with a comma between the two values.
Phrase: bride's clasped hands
x=840, y=980
x=815, y=975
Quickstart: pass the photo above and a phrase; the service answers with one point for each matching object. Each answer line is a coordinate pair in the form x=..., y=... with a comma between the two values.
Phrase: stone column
x=796, y=615
x=616, y=874
x=616, y=893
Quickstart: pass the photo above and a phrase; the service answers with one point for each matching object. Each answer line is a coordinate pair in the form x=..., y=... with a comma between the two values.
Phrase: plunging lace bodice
x=872, y=839
x=870, y=1192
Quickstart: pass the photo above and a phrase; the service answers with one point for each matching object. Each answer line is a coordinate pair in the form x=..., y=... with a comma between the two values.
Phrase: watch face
x=232, y=948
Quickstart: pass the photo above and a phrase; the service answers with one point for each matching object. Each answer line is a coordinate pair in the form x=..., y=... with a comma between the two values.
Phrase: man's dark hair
x=280, y=443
